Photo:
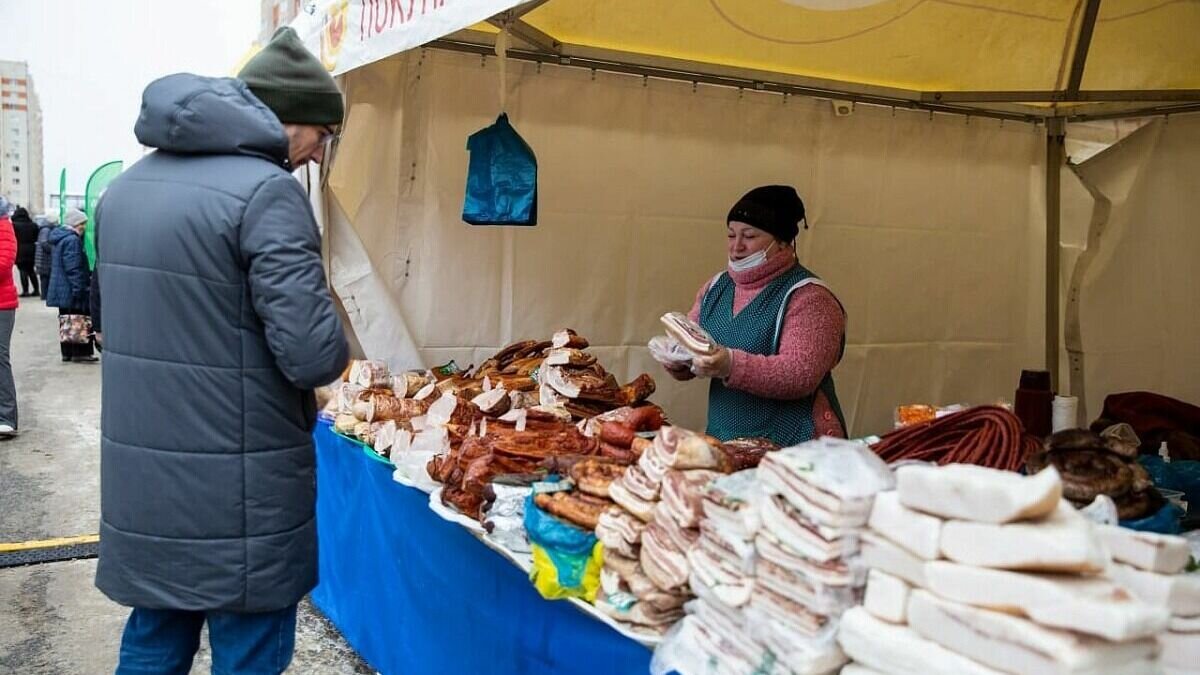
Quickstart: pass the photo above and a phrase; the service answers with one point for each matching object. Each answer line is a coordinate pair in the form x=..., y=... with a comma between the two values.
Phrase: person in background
x=780, y=330
x=217, y=324
x=69, y=284
x=8, y=317
x=43, y=252
x=27, y=233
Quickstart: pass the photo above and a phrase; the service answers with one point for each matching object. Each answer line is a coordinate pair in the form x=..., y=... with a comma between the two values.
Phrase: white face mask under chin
x=751, y=261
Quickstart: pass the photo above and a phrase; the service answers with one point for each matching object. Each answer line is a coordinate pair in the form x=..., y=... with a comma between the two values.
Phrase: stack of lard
x=975, y=571
x=648, y=534
x=1152, y=567
x=777, y=562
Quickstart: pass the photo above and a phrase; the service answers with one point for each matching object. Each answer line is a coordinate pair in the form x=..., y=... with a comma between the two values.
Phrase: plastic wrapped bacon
x=370, y=375
x=381, y=406
x=406, y=385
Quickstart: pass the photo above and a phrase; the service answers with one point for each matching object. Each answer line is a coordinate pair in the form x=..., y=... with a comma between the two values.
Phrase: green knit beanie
x=292, y=82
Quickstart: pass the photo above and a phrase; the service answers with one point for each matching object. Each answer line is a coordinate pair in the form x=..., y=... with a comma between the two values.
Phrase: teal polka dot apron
x=756, y=329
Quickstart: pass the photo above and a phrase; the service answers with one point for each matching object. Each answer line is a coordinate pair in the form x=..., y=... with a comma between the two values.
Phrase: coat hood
x=60, y=233
x=190, y=114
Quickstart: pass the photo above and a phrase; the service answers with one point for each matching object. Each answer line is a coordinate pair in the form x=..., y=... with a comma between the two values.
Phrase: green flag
x=96, y=185
x=62, y=196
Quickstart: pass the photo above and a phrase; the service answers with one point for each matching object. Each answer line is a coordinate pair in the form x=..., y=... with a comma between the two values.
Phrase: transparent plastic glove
x=716, y=366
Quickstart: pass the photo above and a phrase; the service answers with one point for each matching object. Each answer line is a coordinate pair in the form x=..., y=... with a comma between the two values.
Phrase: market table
x=413, y=593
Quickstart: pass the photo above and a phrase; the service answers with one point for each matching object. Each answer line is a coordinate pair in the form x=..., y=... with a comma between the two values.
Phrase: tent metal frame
x=1018, y=106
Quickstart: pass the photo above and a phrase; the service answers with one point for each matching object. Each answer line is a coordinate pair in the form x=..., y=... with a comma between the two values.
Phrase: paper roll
x=1064, y=413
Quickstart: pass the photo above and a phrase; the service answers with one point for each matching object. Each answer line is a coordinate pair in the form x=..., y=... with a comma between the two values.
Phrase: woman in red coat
x=8, y=317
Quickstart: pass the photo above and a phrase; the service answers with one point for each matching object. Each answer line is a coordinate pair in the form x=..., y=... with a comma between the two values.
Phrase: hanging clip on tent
x=502, y=174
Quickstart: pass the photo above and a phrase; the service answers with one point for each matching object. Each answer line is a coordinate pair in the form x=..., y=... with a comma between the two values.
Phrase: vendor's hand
x=716, y=366
x=680, y=372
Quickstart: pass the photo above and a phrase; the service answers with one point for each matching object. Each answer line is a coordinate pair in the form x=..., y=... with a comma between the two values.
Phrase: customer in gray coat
x=217, y=324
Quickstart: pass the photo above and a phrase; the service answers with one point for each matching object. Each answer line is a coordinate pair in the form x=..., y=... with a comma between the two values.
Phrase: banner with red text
x=347, y=34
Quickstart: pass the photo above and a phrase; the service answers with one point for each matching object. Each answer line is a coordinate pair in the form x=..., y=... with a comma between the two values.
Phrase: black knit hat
x=774, y=209
x=292, y=82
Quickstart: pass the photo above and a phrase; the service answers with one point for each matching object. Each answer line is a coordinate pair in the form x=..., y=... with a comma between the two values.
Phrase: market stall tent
x=931, y=228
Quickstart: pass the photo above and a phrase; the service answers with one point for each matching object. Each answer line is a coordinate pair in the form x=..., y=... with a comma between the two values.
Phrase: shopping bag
x=75, y=329
x=501, y=177
x=566, y=558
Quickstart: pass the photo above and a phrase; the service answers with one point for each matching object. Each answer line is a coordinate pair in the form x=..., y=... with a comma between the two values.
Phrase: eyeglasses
x=328, y=133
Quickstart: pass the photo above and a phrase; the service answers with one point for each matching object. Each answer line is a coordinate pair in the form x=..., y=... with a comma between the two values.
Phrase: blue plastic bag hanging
x=501, y=178
x=502, y=174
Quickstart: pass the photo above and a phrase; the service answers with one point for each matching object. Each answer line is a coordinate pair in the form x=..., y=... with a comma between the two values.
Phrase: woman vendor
x=780, y=330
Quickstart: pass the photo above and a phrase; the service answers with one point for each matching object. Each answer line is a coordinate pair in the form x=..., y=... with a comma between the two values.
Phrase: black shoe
x=86, y=359
x=66, y=359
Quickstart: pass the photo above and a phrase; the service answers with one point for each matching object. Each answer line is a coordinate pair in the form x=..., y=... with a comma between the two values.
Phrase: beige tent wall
x=929, y=230
x=1132, y=317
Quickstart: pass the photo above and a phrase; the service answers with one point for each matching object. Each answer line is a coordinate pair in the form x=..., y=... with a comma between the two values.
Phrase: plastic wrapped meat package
x=505, y=518
x=778, y=562
x=667, y=351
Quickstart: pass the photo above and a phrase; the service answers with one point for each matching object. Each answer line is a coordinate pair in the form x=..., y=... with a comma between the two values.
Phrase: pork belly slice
x=682, y=492
x=818, y=505
x=1179, y=593
x=879, y=553
x=1018, y=645
x=1064, y=541
x=978, y=494
x=841, y=572
x=918, y=533
x=1090, y=605
x=1180, y=650
x=635, y=505
x=887, y=596
x=1161, y=553
x=899, y=650
x=810, y=539
x=666, y=566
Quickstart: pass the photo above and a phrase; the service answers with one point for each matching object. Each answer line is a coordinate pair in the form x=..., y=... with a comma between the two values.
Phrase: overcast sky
x=90, y=60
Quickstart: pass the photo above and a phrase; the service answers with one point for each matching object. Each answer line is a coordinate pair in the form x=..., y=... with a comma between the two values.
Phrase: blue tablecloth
x=415, y=594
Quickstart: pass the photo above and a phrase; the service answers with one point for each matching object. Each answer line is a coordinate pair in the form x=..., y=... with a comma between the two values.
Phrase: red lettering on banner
x=378, y=16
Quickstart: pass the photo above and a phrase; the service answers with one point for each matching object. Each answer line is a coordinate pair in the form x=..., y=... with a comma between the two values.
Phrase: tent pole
x=1055, y=132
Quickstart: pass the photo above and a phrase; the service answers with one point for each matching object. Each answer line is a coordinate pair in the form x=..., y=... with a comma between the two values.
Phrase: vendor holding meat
x=780, y=330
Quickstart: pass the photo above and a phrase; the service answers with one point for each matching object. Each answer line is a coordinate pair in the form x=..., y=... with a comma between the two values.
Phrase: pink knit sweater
x=809, y=342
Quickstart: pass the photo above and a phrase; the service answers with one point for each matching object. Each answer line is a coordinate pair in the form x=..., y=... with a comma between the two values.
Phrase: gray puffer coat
x=217, y=326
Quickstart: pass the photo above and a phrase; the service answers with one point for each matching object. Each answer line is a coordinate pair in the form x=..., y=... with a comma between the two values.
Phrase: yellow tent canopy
x=1032, y=58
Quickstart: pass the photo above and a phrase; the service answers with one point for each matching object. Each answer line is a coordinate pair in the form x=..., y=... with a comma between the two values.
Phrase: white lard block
x=1179, y=593
x=978, y=494
x=1018, y=645
x=918, y=532
x=1162, y=553
x=881, y=554
x=1064, y=541
x=899, y=650
x=1091, y=605
x=1180, y=651
x=887, y=597
x=1185, y=624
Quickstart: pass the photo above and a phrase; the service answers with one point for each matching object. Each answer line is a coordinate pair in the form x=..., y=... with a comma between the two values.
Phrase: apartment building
x=21, y=179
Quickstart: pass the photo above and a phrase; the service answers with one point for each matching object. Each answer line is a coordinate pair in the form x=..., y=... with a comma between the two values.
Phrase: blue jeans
x=163, y=642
